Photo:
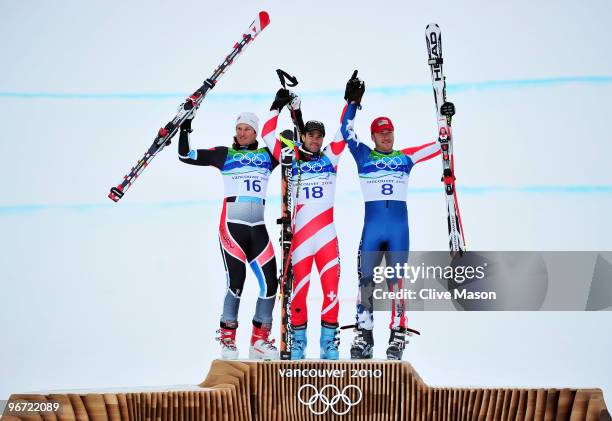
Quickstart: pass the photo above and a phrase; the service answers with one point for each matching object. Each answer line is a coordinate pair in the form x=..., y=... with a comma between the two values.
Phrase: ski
x=286, y=276
x=433, y=37
x=166, y=133
x=288, y=206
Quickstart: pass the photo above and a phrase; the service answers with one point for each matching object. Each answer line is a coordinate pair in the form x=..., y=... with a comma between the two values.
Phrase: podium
x=317, y=390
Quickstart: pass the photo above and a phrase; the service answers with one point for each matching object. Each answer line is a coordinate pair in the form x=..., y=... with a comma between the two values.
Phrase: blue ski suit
x=384, y=181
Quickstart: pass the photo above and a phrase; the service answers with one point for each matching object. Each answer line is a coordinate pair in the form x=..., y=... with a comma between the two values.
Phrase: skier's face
x=313, y=141
x=384, y=140
x=245, y=135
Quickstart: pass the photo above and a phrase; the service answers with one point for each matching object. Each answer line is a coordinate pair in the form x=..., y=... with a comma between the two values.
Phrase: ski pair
x=286, y=221
x=186, y=110
x=444, y=113
x=289, y=139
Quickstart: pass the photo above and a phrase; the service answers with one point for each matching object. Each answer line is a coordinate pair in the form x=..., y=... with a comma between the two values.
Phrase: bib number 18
x=314, y=192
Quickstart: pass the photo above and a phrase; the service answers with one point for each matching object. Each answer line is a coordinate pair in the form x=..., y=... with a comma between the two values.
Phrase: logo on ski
x=436, y=61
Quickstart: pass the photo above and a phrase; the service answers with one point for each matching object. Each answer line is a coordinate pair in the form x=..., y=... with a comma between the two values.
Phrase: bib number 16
x=253, y=185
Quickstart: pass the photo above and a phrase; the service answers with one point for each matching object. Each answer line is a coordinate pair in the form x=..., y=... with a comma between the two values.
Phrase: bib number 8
x=387, y=189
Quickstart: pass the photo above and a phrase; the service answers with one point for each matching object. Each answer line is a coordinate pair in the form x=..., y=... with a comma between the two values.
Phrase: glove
x=282, y=98
x=447, y=109
x=186, y=125
x=354, y=89
x=295, y=103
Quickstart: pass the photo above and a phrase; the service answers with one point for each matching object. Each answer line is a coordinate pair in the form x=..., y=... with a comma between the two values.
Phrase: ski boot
x=329, y=343
x=262, y=348
x=397, y=343
x=298, y=343
x=227, y=338
x=363, y=344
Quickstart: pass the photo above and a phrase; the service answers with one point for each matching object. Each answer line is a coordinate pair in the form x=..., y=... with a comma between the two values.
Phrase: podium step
x=315, y=390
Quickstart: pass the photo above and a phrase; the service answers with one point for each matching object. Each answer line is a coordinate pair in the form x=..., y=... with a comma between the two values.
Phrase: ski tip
x=264, y=19
x=432, y=26
x=116, y=193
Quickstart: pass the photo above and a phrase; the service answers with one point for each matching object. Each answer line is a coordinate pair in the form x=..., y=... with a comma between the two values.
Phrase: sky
x=96, y=293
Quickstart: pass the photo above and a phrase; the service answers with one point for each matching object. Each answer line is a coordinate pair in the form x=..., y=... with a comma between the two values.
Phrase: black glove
x=282, y=98
x=186, y=125
x=447, y=109
x=189, y=104
x=354, y=89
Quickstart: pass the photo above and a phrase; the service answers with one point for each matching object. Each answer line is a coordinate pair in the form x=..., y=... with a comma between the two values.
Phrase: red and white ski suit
x=314, y=233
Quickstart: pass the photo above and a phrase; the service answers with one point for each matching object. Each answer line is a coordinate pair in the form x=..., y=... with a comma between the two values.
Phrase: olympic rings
x=311, y=166
x=249, y=158
x=386, y=162
x=329, y=403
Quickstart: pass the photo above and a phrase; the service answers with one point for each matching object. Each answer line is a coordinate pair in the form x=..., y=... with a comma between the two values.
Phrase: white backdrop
x=97, y=294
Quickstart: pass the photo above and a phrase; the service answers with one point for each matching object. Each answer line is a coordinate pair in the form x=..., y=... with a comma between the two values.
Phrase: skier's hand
x=295, y=103
x=186, y=125
x=447, y=109
x=188, y=104
x=355, y=89
x=282, y=98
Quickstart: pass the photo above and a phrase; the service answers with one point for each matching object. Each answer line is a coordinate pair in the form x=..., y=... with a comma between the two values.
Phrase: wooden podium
x=320, y=390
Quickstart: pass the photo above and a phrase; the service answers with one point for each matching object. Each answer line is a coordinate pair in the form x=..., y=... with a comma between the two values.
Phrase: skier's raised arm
x=214, y=157
x=353, y=93
x=268, y=133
